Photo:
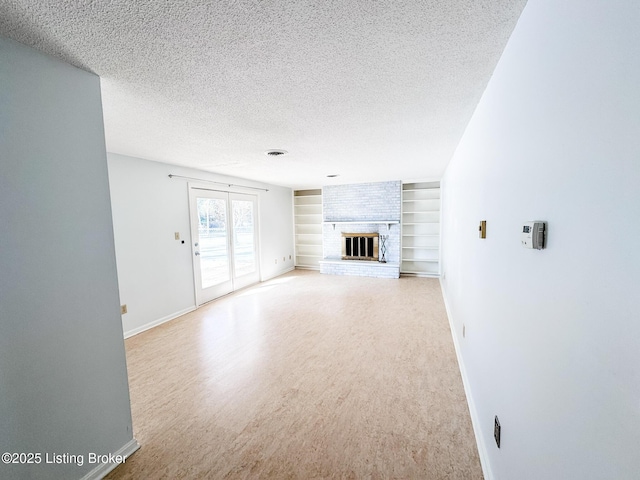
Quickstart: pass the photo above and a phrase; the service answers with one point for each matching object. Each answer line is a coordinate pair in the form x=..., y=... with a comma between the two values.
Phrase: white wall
x=154, y=270
x=63, y=379
x=553, y=337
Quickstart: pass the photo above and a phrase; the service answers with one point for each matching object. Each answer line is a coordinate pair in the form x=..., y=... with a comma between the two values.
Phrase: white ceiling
x=368, y=90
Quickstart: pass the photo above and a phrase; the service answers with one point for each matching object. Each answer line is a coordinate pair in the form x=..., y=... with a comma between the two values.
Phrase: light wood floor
x=305, y=376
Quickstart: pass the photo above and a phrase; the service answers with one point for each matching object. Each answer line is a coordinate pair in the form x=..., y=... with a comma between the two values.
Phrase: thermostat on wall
x=533, y=235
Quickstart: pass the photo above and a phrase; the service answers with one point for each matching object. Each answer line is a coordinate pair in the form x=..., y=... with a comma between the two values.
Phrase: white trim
x=193, y=265
x=103, y=469
x=290, y=269
x=419, y=274
x=307, y=267
x=475, y=419
x=155, y=323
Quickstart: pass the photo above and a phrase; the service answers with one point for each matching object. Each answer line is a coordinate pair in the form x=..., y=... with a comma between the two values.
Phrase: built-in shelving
x=420, y=253
x=307, y=212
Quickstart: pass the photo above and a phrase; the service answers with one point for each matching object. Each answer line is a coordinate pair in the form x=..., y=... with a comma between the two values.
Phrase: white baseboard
x=475, y=419
x=103, y=469
x=155, y=323
x=420, y=275
x=282, y=272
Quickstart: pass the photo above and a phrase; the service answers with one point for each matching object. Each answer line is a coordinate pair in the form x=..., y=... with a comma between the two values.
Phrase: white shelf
x=307, y=215
x=420, y=235
x=340, y=222
x=420, y=211
x=421, y=231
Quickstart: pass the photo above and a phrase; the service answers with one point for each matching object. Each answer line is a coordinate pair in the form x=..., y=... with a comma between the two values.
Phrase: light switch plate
x=483, y=229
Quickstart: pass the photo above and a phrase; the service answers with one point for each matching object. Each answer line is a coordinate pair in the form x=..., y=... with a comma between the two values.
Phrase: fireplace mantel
x=388, y=223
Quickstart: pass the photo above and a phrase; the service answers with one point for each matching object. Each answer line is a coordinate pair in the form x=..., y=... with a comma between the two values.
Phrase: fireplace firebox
x=360, y=246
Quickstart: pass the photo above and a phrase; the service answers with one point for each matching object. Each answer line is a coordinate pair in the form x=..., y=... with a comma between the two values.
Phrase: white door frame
x=235, y=282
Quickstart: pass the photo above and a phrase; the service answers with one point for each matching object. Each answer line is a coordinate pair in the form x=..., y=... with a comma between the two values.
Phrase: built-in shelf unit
x=421, y=229
x=307, y=211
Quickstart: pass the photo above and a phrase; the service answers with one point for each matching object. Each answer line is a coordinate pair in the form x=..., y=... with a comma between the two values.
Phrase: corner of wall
x=475, y=418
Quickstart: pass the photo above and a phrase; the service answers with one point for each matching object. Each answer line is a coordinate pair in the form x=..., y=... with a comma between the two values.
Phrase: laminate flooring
x=304, y=376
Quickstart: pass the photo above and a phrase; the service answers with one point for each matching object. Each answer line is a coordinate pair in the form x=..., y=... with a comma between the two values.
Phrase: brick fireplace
x=364, y=212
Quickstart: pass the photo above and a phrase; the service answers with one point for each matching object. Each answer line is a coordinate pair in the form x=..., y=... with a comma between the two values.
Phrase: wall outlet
x=496, y=431
x=177, y=235
x=284, y=259
x=123, y=309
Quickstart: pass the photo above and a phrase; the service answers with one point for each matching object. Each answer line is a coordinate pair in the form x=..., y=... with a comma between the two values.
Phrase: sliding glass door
x=224, y=237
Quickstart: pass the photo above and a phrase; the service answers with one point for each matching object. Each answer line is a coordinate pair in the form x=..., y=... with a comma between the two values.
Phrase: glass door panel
x=212, y=233
x=243, y=238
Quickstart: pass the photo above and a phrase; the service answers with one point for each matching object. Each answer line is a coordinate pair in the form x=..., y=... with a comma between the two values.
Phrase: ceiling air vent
x=275, y=153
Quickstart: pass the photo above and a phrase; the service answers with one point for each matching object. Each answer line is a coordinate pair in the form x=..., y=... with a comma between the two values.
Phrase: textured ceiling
x=368, y=90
